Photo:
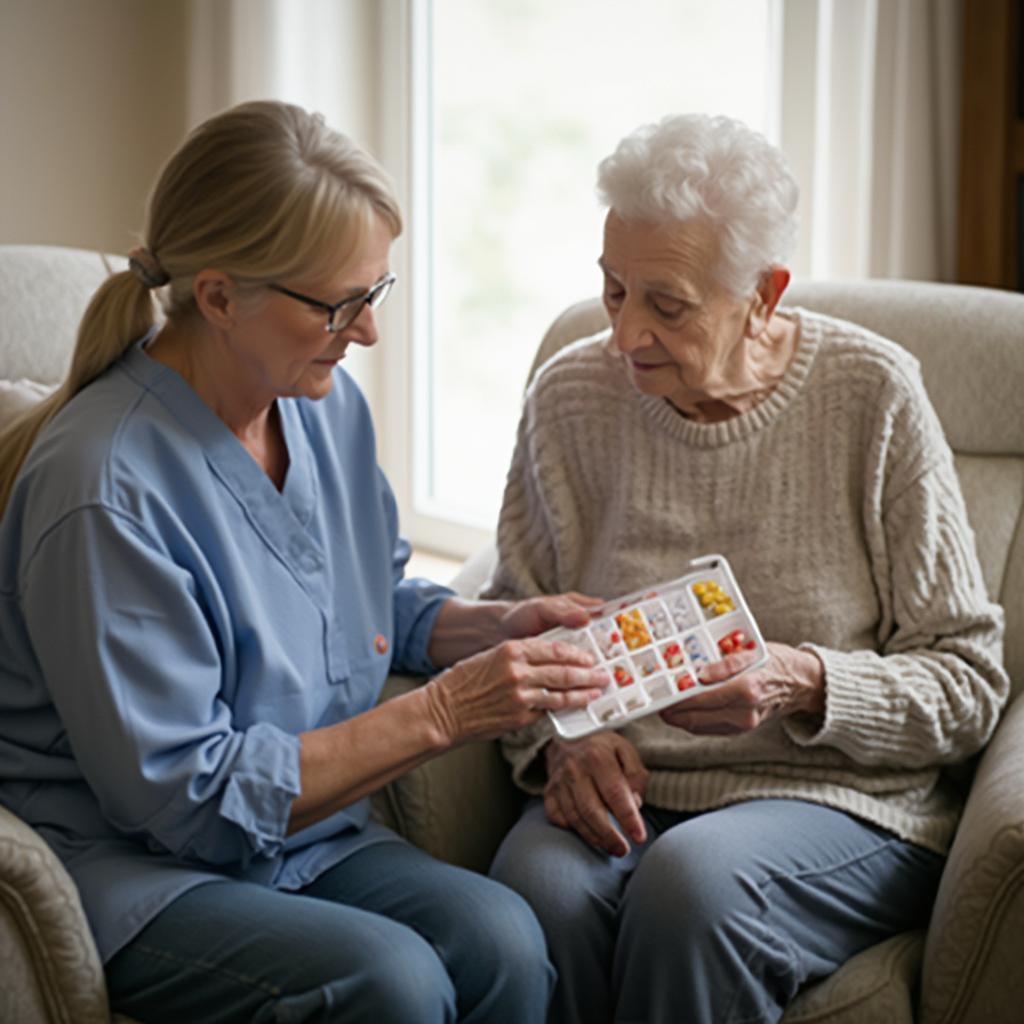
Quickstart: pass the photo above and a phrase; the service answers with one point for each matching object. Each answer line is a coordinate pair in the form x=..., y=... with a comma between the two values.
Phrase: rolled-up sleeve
x=135, y=665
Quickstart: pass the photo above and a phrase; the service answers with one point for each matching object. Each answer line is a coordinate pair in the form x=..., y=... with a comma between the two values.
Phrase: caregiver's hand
x=590, y=779
x=537, y=614
x=511, y=686
x=790, y=682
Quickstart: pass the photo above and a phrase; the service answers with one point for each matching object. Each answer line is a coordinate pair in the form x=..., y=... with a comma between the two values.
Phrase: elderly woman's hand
x=792, y=681
x=510, y=686
x=590, y=779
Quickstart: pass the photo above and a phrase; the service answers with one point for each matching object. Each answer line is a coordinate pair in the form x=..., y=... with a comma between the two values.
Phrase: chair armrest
x=475, y=572
x=975, y=942
x=458, y=806
x=51, y=969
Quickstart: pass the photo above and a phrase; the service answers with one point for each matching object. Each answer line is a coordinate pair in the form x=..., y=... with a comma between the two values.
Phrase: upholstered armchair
x=966, y=968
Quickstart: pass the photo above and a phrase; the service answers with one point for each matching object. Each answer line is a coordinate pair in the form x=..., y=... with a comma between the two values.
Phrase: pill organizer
x=653, y=642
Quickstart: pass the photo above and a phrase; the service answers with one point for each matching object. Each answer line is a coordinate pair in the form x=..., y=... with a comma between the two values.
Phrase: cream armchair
x=965, y=969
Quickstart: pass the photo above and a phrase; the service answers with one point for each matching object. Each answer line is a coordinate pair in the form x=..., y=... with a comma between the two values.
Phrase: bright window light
x=526, y=96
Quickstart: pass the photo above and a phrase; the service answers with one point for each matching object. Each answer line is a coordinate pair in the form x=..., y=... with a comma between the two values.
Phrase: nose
x=631, y=329
x=363, y=330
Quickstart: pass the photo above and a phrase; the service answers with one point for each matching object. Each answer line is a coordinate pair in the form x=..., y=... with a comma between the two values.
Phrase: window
x=513, y=103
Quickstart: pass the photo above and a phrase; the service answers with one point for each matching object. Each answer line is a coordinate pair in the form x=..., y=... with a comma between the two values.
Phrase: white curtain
x=870, y=113
x=320, y=54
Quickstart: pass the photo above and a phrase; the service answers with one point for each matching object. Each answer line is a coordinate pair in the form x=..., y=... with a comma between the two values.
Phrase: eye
x=613, y=291
x=667, y=307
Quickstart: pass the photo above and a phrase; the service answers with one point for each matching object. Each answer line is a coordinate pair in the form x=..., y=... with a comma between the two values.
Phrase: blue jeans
x=719, y=917
x=389, y=935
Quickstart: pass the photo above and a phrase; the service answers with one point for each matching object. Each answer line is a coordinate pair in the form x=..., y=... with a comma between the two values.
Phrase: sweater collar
x=713, y=435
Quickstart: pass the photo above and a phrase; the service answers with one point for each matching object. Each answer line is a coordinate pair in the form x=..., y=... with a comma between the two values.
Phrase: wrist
x=812, y=675
x=438, y=712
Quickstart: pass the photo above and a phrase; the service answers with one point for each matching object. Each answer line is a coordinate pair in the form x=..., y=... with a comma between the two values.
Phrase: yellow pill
x=721, y=608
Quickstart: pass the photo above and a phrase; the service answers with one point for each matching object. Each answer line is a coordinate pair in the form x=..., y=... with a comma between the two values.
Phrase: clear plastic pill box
x=653, y=642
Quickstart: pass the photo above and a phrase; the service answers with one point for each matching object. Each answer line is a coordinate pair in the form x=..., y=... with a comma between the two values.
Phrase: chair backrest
x=44, y=290
x=970, y=342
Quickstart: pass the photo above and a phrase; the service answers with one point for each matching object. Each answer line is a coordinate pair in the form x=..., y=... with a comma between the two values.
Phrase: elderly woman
x=203, y=593
x=703, y=865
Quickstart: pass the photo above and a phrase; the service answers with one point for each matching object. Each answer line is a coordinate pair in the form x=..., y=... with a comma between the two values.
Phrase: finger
x=620, y=798
x=727, y=667
x=632, y=767
x=568, y=677
x=589, y=817
x=553, y=809
x=552, y=652
x=544, y=699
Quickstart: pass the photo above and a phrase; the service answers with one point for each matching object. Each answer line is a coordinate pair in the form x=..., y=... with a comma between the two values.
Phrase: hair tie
x=146, y=267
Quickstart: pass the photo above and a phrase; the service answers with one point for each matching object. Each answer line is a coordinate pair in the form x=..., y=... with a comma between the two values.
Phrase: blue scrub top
x=170, y=621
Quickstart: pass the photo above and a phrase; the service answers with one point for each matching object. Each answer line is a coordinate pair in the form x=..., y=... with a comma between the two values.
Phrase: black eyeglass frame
x=372, y=297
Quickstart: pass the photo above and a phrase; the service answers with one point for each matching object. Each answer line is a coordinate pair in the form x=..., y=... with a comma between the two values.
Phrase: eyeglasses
x=343, y=314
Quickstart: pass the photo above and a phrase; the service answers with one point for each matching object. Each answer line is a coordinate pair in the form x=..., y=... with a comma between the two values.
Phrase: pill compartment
x=608, y=637
x=635, y=700
x=635, y=633
x=658, y=620
x=683, y=608
x=714, y=595
x=605, y=710
x=683, y=681
x=672, y=654
x=697, y=648
x=623, y=672
x=647, y=663
x=658, y=688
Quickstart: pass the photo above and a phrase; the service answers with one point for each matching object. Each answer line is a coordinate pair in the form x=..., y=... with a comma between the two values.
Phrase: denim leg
x=485, y=935
x=389, y=935
x=232, y=951
x=575, y=892
x=730, y=912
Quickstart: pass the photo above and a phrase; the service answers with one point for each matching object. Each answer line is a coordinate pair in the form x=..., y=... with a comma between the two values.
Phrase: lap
x=838, y=864
x=387, y=916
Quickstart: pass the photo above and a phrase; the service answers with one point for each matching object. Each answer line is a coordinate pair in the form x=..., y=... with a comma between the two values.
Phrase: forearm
x=342, y=763
x=464, y=628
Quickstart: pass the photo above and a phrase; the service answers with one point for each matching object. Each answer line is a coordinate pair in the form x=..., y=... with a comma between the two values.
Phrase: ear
x=772, y=284
x=215, y=297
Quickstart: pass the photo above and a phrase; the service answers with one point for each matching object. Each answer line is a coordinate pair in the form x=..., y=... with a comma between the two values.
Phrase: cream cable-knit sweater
x=837, y=504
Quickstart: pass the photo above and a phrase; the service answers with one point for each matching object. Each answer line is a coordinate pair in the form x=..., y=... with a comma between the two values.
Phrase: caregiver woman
x=203, y=593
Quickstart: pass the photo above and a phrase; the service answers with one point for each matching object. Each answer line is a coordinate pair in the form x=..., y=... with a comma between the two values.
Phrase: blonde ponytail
x=262, y=192
x=120, y=312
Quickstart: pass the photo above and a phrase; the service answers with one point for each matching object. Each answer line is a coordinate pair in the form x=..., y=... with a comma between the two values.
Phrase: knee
x=687, y=886
x=406, y=981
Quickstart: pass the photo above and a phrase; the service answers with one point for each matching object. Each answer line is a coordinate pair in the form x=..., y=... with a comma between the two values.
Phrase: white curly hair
x=698, y=167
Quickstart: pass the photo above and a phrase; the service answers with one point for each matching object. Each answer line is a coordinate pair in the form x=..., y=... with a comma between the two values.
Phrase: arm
x=933, y=691
x=139, y=680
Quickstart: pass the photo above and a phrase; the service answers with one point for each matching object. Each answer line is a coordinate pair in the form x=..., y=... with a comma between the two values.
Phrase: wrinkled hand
x=537, y=614
x=791, y=681
x=510, y=686
x=590, y=777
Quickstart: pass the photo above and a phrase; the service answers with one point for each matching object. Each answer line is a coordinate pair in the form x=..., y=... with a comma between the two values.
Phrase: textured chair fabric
x=970, y=342
x=964, y=970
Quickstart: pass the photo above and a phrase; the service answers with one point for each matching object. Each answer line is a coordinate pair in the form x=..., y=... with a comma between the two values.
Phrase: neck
x=750, y=374
x=201, y=358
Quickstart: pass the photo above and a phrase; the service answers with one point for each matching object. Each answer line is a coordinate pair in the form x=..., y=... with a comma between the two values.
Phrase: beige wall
x=92, y=100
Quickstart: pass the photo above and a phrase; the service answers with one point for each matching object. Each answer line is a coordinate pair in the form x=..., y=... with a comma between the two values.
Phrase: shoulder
x=583, y=378
x=857, y=356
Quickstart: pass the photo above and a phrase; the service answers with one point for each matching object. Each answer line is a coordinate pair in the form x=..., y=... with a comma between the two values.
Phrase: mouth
x=642, y=367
